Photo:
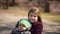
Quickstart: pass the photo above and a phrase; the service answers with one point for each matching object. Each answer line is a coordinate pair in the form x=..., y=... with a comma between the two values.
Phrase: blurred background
x=12, y=11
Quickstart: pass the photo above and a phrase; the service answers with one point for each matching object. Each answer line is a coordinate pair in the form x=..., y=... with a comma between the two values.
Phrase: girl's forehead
x=33, y=14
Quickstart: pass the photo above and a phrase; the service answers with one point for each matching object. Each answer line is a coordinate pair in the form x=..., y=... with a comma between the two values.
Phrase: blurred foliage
x=51, y=17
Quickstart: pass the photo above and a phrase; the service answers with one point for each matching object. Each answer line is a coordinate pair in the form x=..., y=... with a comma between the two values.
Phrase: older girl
x=35, y=18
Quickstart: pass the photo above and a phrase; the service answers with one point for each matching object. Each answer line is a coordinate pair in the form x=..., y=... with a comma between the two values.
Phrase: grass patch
x=51, y=17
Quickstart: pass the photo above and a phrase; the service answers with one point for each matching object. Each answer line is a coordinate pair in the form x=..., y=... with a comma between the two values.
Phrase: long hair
x=35, y=10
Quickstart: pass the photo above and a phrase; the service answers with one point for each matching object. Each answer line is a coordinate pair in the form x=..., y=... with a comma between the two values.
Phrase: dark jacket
x=36, y=28
x=15, y=31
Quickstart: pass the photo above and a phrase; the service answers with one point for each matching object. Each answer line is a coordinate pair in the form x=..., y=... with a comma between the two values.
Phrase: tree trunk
x=13, y=2
x=47, y=7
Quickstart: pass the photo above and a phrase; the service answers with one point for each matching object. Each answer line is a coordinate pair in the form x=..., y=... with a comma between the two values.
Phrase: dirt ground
x=8, y=20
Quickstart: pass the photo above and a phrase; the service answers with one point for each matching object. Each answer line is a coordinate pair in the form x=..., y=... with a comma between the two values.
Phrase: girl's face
x=33, y=17
x=22, y=27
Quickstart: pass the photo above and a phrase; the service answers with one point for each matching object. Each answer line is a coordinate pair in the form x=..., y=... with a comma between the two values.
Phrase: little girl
x=23, y=28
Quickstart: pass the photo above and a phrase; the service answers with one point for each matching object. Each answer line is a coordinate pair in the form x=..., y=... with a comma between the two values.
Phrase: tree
x=5, y=4
x=13, y=2
x=46, y=6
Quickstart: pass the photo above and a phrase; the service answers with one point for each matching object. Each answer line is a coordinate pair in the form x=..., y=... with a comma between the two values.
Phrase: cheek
x=30, y=18
x=24, y=28
x=36, y=18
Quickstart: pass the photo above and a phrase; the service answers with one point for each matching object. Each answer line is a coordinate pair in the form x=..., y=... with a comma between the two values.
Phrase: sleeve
x=38, y=29
x=14, y=31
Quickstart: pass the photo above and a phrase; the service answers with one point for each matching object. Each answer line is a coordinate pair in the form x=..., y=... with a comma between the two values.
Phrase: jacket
x=16, y=31
x=36, y=28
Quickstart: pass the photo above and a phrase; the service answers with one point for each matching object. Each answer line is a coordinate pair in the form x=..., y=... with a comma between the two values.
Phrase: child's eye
x=34, y=16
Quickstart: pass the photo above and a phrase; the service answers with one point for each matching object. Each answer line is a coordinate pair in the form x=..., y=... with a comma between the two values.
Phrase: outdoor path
x=51, y=27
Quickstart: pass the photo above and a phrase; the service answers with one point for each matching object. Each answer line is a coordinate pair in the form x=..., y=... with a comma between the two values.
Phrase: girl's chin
x=32, y=21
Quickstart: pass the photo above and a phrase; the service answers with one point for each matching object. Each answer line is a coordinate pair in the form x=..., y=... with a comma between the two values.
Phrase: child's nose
x=32, y=17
